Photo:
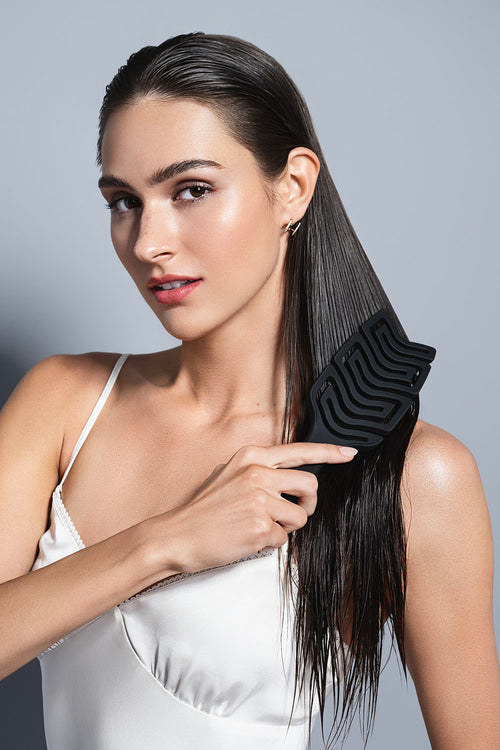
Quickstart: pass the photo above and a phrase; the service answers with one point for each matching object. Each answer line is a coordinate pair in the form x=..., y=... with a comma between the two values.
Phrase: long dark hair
x=351, y=554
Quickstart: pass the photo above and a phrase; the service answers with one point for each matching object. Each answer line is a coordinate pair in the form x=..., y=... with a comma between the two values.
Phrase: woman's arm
x=39, y=607
x=450, y=639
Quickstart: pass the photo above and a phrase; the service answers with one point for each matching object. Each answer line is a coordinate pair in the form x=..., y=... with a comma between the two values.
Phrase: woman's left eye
x=196, y=192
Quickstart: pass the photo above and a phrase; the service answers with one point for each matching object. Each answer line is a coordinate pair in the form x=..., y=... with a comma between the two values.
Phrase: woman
x=151, y=595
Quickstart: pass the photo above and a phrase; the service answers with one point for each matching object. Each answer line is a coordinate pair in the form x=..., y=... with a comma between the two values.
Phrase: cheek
x=238, y=236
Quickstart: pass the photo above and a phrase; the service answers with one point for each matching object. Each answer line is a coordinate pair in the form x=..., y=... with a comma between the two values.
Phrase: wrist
x=159, y=552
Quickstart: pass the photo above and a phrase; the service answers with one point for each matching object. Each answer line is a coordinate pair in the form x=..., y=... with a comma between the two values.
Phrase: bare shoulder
x=449, y=633
x=51, y=380
x=80, y=376
x=61, y=371
x=449, y=535
x=441, y=484
x=79, y=380
x=54, y=383
x=433, y=449
x=51, y=398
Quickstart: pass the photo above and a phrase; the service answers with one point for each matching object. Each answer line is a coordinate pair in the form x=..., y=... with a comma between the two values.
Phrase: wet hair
x=352, y=550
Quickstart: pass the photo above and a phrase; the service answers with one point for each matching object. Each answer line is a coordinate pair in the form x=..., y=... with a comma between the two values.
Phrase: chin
x=188, y=332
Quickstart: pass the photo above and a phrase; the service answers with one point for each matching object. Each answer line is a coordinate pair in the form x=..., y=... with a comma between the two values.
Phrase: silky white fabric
x=200, y=660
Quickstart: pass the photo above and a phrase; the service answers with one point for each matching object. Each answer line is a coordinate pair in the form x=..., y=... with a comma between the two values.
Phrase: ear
x=296, y=185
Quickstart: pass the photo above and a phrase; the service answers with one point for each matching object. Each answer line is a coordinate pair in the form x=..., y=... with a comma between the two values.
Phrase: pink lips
x=168, y=296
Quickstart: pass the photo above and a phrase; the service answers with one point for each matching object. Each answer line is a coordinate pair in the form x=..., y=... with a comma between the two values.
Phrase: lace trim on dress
x=181, y=576
x=65, y=517
x=54, y=645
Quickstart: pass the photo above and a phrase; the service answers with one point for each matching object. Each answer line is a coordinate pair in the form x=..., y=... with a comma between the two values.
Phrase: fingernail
x=347, y=451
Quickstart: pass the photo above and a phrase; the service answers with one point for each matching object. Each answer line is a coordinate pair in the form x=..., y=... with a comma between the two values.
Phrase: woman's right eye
x=122, y=205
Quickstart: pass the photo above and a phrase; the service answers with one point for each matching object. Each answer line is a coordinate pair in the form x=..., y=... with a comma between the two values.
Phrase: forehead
x=150, y=131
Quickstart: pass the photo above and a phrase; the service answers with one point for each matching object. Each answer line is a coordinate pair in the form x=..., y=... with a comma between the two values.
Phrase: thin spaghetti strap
x=95, y=412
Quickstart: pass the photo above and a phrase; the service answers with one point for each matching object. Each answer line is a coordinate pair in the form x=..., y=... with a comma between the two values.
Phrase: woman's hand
x=239, y=511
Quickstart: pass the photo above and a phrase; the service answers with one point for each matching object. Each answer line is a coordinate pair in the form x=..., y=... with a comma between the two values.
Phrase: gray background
x=404, y=97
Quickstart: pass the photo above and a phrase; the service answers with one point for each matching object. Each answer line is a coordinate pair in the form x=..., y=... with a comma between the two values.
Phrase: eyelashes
x=201, y=192
x=113, y=205
x=197, y=197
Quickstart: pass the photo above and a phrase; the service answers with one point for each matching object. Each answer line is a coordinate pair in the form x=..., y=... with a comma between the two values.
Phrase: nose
x=154, y=236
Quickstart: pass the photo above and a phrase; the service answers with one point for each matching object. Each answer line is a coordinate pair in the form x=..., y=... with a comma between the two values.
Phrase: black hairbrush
x=366, y=388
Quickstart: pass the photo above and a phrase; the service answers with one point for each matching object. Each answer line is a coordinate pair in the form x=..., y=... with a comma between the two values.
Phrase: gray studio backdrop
x=404, y=97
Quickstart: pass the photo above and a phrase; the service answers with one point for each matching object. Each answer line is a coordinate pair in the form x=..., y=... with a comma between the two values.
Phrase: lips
x=156, y=281
x=169, y=296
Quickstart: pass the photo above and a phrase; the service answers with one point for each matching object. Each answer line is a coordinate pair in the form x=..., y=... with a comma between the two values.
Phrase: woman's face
x=187, y=199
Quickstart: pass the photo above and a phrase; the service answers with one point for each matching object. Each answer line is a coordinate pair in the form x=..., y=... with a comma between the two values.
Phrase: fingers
x=258, y=466
x=289, y=455
x=301, y=484
x=262, y=486
x=277, y=536
x=252, y=473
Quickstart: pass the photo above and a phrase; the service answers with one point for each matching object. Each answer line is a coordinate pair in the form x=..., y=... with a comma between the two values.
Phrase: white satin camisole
x=194, y=662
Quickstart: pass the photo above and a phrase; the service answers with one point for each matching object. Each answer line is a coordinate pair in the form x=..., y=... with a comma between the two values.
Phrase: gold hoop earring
x=291, y=229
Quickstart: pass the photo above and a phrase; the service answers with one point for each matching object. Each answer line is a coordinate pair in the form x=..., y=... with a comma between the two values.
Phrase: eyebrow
x=165, y=173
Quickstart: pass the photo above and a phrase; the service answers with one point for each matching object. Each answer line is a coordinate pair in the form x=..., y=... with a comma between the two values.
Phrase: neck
x=235, y=371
